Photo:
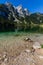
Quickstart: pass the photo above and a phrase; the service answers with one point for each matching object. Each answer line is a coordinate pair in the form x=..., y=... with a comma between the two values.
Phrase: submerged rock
x=28, y=39
x=24, y=58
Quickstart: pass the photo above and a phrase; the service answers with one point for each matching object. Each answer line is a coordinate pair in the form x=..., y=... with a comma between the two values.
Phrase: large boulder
x=36, y=45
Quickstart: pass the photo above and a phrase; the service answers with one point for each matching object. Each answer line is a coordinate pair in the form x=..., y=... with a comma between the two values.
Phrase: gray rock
x=36, y=45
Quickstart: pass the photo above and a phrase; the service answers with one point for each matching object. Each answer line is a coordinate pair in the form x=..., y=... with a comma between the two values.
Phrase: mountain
x=18, y=18
x=37, y=17
x=9, y=11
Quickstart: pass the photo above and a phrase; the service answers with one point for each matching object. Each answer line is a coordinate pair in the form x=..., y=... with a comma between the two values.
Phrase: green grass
x=42, y=46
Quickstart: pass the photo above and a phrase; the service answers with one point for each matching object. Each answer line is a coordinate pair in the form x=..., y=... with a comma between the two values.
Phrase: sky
x=31, y=5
